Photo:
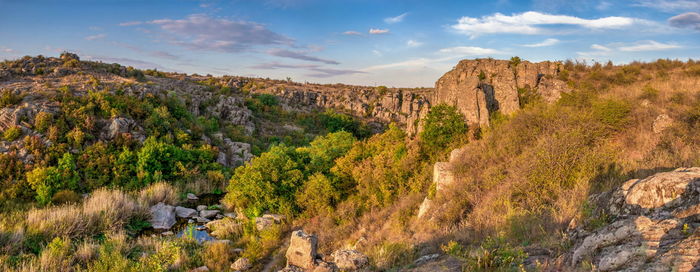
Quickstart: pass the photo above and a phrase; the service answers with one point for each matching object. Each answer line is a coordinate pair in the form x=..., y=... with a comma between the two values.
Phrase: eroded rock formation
x=655, y=225
x=480, y=87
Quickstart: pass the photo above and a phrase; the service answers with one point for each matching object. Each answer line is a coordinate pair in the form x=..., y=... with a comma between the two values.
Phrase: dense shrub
x=441, y=127
x=12, y=133
x=9, y=98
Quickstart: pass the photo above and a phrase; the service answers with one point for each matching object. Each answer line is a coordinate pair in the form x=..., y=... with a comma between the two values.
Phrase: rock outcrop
x=403, y=106
x=655, y=225
x=442, y=178
x=481, y=87
x=349, y=260
x=302, y=256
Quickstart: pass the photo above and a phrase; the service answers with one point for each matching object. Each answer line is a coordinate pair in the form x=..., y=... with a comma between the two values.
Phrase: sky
x=396, y=43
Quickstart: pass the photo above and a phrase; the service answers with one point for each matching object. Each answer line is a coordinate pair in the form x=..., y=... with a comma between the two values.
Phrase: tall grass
x=104, y=210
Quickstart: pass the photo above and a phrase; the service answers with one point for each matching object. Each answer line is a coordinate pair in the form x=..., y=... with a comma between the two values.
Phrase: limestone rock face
x=162, y=216
x=403, y=106
x=442, y=178
x=497, y=89
x=241, y=264
x=233, y=154
x=302, y=250
x=122, y=125
x=656, y=225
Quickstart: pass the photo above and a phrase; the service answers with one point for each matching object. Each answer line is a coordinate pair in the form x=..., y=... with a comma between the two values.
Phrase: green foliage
x=441, y=127
x=381, y=90
x=527, y=96
x=649, y=93
x=9, y=98
x=12, y=133
x=65, y=196
x=494, y=254
x=48, y=180
x=514, y=62
x=482, y=75
x=318, y=194
x=268, y=182
x=613, y=113
x=321, y=153
x=43, y=121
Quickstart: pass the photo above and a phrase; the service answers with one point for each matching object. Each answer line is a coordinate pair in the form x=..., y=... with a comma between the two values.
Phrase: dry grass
x=158, y=192
x=104, y=210
x=219, y=256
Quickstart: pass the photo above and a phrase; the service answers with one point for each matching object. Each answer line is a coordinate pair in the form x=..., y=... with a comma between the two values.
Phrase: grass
x=104, y=210
x=158, y=192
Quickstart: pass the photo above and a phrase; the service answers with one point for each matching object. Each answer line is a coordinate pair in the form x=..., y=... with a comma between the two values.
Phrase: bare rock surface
x=481, y=87
x=655, y=225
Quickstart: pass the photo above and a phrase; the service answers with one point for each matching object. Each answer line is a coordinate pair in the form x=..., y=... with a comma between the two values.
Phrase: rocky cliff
x=481, y=87
x=379, y=105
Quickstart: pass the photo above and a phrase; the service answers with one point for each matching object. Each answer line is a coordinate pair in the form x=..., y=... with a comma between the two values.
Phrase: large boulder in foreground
x=655, y=225
x=302, y=250
x=162, y=216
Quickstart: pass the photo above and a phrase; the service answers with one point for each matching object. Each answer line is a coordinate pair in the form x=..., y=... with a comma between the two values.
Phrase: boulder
x=185, y=212
x=349, y=259
x=208, y=214
x=162, y=216
x=201, y=207
x=241, y=264
x=654, y=228
x=302, y=250
x=203, y=268
x=262, y=223
x=443, y=177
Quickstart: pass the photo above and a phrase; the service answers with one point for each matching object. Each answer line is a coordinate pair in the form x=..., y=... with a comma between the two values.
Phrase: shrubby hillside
x=110, y=168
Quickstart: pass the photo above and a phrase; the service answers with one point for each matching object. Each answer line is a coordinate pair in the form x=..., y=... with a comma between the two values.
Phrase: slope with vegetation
x=89, y=148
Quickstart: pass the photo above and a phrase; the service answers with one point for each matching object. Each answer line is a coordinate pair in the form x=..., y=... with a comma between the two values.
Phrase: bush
x=9, y=98
x=318, y=195
x=649, y=93
x=219, y=256
x=268, y=182
x=443, y=125
x=57, y=255
x=65, y=196
x=43, y=121
x=12, y=133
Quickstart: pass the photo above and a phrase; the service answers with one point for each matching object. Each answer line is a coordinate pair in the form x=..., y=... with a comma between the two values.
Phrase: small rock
x=190, y=221
x=208, y=213
x=219, y=216
x=241, y=264
x=262, y=223
x=167, y=233
x=201, y=208
x=349, y=259
x=201, y=228
x=185, y=212
x=426, y=258
x=661, y=122
x=202, y=220
x=278, y=218
x=200, y=269
x=230, y=215
x=191, y=196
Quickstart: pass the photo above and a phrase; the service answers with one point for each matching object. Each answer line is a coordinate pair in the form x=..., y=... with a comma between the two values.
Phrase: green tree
x=323, y=150
x=267, y=183
x=443, y=125
x=318, y=194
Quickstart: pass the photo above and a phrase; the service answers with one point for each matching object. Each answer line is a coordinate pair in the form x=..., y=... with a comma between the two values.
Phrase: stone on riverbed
x=162, y=216
x=185, y=212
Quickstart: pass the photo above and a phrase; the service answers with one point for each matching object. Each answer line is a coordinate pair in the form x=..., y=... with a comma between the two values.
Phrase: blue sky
x=369, y=42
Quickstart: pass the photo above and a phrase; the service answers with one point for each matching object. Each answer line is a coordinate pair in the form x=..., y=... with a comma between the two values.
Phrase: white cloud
x=670, y=5
x=131, y=23
x=96, y=37
x=648, y=46
x=413, y=43
x=352, y=33
x=603, y=5
x=618, y=48
x=600, y=47
x=470, y=51
x=6, y=49
x=376, y=31
x=377, y=53
x=397, y=19
x=547, y=42
x=533, y=22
